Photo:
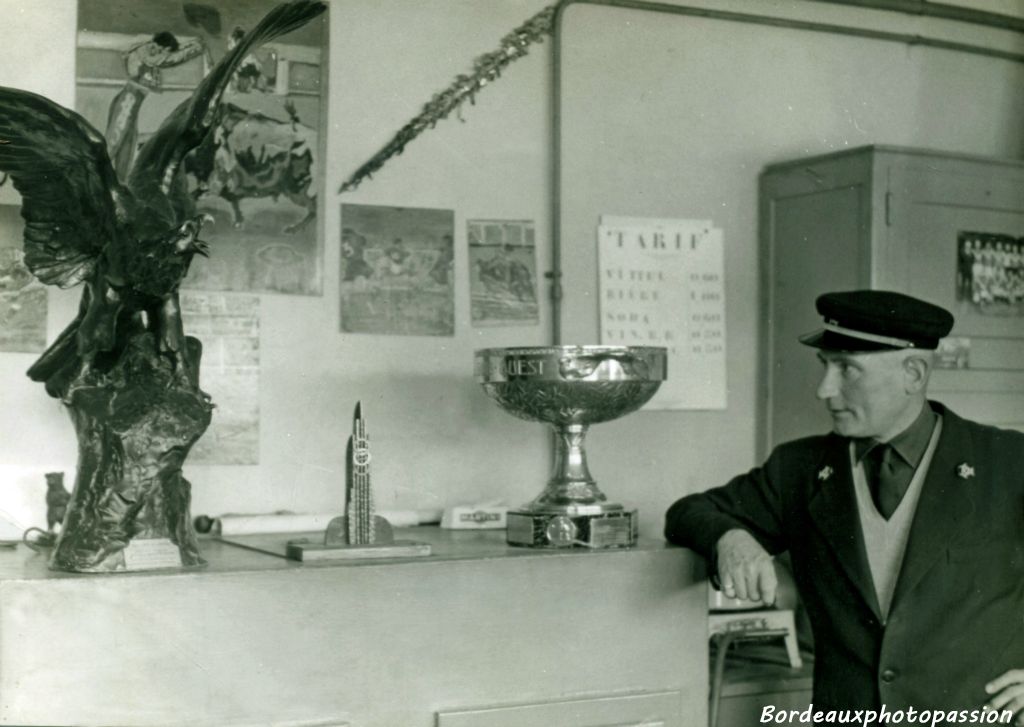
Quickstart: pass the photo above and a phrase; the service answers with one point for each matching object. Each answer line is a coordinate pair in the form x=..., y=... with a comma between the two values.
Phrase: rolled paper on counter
x=276, y=523
x=410, y=518
x=304, y=523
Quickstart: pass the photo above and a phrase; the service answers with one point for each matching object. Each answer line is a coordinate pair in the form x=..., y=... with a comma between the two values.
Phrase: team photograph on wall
x=990, y=272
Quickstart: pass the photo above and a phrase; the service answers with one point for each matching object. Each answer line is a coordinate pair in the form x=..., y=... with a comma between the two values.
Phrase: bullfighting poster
x=257, y=174
x=503, y=272
x=662, y=283
x=397, y=270
x=229, y=327
x=22, y=297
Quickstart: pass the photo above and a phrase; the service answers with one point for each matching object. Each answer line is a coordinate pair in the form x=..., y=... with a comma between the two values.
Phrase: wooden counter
x=476, y=634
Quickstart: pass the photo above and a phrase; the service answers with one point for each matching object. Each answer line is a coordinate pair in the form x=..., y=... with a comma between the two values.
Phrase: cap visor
x=832, y=341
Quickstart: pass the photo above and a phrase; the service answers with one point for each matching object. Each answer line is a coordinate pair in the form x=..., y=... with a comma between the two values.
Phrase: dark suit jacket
x=957, y=615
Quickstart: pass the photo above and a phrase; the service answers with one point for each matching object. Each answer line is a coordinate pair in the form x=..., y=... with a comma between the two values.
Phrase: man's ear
x=916, y=370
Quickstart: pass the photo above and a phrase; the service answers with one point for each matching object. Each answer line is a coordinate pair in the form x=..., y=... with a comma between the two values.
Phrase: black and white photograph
x=511, y=363
x=990, y=272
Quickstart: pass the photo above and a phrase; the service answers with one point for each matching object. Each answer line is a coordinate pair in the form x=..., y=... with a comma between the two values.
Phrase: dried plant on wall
x=486, y=69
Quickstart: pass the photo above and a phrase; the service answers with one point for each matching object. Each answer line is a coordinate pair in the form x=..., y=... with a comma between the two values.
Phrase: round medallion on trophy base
x=530, y=529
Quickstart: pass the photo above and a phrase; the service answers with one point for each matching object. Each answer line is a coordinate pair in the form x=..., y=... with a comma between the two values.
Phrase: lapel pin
x=824, y=473
x=964, y=471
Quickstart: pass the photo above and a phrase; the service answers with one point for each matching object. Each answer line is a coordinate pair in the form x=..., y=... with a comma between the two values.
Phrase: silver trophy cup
x=570, y=388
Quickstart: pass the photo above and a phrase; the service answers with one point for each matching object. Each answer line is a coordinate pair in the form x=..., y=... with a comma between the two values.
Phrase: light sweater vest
x=885, y=541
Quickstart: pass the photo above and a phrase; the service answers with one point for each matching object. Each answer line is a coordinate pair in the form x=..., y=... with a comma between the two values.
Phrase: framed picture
x=397, y=270
x=990, y=272
x=503, y=272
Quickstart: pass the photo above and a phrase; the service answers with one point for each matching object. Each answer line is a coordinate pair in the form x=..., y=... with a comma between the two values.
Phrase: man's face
x=865, y=393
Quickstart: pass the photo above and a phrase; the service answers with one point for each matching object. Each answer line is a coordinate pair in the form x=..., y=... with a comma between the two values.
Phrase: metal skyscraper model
x=360, y=532
x=359, y=510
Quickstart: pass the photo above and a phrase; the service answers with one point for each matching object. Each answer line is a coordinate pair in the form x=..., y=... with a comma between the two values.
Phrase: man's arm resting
x=745, y=569
x=736, y=528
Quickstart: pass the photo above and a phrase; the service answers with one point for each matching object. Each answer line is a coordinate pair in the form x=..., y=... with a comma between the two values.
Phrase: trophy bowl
x=570, y=388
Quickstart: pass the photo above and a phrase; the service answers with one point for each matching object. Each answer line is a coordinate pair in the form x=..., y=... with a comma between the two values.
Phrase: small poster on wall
x=953, y=353
x=397, y=270
x=662, y=283
x=990, y=272
x=503, y=272
x=229, y=327
x=22, y=297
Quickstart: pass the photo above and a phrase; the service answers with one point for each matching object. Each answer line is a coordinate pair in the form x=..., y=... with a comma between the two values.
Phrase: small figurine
x=56, y=500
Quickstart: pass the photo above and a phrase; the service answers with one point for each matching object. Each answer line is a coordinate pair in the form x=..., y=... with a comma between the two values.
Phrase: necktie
x=882, y=469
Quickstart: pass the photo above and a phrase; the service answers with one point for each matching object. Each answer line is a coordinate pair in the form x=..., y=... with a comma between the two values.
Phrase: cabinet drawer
x=660, y=709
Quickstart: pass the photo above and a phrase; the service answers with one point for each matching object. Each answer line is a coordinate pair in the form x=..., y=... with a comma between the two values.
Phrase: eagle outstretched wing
x=72, y=203
x=185, y=128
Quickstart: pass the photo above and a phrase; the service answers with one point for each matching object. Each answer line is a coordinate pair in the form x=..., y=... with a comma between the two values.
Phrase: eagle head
x=186, y=238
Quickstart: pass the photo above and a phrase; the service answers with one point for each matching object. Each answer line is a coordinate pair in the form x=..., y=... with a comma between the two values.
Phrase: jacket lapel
x=833, y=510
x=945, y=504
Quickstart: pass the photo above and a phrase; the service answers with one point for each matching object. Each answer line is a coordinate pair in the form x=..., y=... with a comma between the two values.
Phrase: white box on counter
x=475, y=517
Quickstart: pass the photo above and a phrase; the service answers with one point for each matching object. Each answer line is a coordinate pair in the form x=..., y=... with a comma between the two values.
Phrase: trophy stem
x=571, y=484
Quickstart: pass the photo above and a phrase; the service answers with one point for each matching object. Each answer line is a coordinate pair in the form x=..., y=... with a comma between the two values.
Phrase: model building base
x=306, y=551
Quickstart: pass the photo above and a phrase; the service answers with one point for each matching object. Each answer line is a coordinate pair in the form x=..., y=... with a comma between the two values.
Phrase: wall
x=436, y=438
x=691, y=110
x=35, y=434
x=664, y=116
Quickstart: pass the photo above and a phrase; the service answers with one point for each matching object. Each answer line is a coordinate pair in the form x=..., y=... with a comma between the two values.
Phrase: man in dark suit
x=905, y=525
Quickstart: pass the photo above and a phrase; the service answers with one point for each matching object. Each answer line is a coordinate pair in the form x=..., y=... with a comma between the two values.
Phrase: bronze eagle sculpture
x=124, y=368
x=130, y=242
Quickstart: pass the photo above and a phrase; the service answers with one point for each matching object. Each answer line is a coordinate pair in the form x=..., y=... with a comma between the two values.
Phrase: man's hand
x=1007, y=692
x=745, y=569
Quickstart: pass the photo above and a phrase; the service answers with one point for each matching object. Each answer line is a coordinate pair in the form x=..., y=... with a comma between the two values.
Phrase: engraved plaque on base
x=150, y=554
x=556, y=530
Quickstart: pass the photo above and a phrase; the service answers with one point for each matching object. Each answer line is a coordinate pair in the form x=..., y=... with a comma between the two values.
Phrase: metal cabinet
x=894, y=219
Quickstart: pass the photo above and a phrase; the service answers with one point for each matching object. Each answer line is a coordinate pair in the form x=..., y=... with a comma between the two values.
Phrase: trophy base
x=615, y=529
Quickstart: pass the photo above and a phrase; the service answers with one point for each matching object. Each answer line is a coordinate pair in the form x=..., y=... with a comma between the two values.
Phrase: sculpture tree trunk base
x=136, y=416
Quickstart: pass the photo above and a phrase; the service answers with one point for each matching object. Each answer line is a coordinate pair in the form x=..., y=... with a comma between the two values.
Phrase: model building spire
x=359, y=498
